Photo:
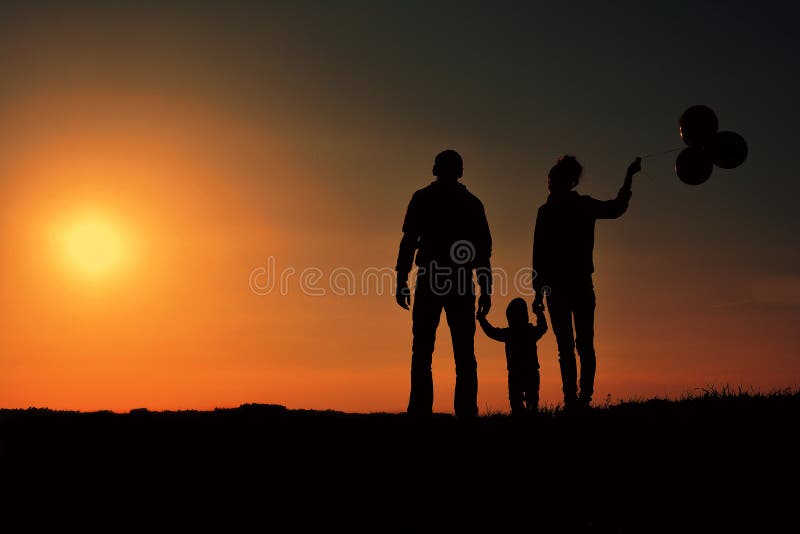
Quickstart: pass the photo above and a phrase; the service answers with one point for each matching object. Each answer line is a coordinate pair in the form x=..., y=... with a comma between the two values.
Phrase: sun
x=93, y=246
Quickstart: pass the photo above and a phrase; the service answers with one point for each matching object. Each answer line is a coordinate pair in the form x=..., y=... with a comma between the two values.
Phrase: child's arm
x=498, y=334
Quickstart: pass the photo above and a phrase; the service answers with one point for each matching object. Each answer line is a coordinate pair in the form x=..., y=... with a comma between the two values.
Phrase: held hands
x=403, y=295
x=484, y=305
x=538, y=303
x=635, y=167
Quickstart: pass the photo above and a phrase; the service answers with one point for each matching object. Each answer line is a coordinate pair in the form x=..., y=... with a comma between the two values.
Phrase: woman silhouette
x=563, y=244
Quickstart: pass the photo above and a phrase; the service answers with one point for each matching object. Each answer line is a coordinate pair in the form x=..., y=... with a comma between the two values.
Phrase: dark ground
x=716, y=463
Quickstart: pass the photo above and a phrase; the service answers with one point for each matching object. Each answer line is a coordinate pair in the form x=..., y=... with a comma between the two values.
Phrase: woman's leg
x=560, y=307
x=583, y=310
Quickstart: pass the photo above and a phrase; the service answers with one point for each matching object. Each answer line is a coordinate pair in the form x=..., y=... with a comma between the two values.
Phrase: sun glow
x=93, y=246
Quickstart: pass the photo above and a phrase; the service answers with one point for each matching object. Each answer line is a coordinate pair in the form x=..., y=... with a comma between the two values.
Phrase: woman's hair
x=564, y=175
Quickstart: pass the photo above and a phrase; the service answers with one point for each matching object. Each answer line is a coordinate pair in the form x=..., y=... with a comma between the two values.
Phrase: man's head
x=564, y=175
x=448, y=166
x=517, y=313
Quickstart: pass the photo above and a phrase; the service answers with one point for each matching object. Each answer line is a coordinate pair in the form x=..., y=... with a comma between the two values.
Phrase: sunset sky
x=155, y=155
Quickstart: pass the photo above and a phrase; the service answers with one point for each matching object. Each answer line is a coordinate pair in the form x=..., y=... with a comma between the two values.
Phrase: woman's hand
x=635, y=167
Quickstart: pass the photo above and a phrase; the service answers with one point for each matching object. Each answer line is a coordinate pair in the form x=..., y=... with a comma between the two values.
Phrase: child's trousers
x=523, y=390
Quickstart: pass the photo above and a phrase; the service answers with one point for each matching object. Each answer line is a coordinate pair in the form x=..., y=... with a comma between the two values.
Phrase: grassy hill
x=717, y=462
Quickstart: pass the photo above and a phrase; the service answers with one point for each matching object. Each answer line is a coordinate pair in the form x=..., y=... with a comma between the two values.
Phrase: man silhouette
x=563, y=244
x=446, y=226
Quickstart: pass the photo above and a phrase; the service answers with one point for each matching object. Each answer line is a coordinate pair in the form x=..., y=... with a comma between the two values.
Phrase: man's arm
x=498, y=334
x=614, y=208
x=540, y=252
x=483, y=264
x=405, y=255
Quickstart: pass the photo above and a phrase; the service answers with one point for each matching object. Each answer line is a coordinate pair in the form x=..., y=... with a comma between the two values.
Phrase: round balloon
x=693, y=166
x=728, y=150
x=698, y=126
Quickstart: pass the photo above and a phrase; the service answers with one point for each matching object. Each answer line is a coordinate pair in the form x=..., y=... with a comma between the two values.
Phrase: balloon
x=693, y=166
x=728, y=150
x=698, y=125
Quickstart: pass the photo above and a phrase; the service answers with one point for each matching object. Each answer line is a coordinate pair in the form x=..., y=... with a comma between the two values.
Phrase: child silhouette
x=521, y=359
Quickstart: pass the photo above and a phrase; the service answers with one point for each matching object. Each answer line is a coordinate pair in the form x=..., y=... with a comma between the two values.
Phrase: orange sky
x=206, y=161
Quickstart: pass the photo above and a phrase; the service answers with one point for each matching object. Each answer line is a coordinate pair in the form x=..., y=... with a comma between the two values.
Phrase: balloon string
x=654, y=154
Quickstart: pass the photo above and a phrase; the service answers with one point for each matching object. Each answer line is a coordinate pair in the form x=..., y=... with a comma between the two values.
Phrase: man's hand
x=403, y=295
x=484, y=304
x=635, y=167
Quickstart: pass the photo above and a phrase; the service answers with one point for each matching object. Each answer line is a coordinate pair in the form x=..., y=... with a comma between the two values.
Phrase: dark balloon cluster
x=707, y=146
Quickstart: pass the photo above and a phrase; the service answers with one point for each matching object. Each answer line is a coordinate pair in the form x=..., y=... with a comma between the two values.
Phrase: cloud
x=777, y=290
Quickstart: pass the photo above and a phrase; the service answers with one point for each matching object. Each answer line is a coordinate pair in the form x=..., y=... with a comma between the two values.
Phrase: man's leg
x=460, y=311
x=584, y=340
x=425, y=317
x=559, y=306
